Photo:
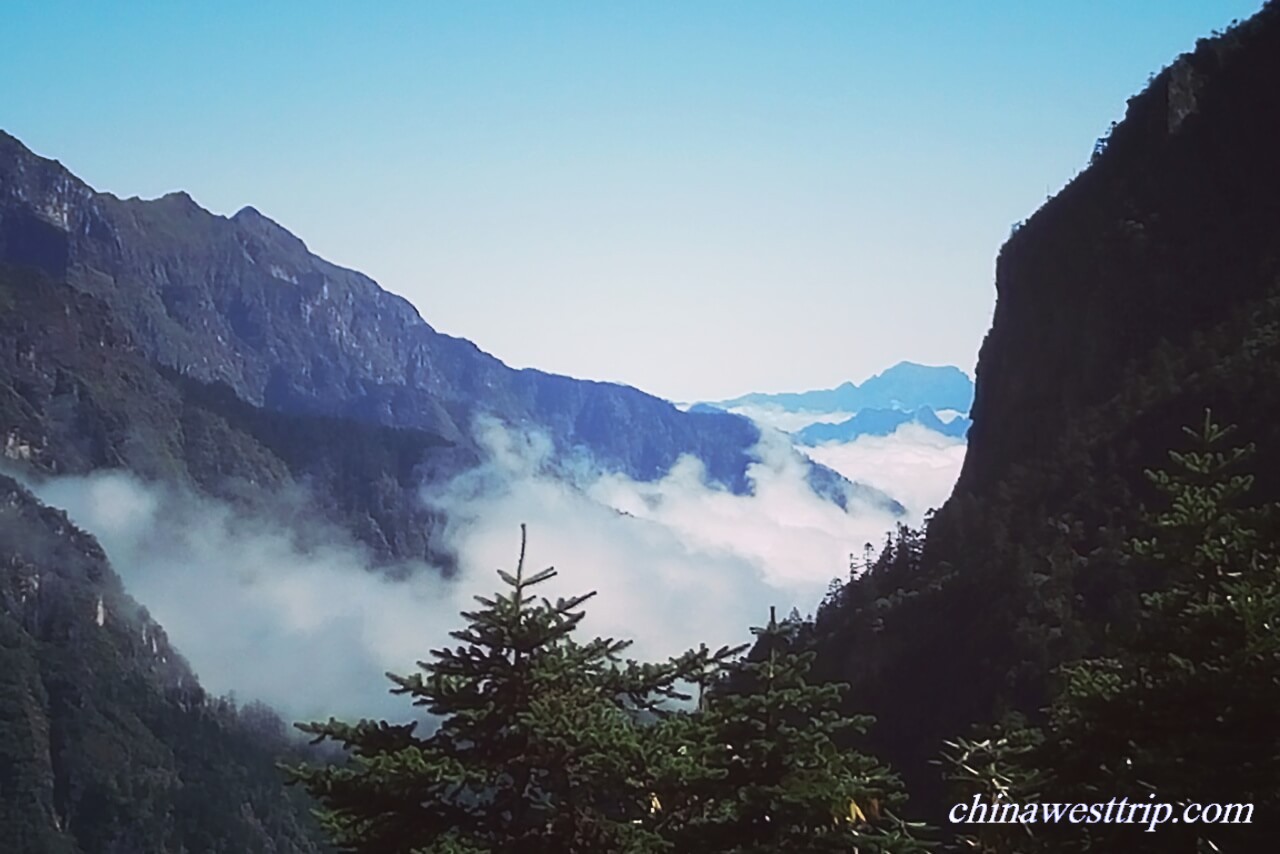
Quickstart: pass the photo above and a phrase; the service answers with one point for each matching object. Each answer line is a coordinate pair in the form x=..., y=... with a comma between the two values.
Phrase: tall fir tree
x=774, y=778
x=1185, y=712
x=1188, y=713
x=540, y=745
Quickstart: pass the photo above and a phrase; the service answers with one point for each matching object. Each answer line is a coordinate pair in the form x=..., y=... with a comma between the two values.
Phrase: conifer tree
x=773, y=777
x=539, y=746
x=1186, y=711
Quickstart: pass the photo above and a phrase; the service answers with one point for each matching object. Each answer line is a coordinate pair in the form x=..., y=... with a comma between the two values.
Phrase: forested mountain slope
x=108, y=745
x=1143, y=293
x=77, y=394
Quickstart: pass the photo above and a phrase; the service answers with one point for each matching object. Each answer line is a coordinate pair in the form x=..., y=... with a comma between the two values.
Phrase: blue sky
x=697, y=198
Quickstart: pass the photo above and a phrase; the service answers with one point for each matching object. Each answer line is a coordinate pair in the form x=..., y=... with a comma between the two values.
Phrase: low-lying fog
x=677, y=562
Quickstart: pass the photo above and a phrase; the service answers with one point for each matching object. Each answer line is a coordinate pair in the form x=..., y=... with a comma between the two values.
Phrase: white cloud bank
x=677, y=561
x=915, y=465
x=790, y=422
x=298, y=618
x=309, y=629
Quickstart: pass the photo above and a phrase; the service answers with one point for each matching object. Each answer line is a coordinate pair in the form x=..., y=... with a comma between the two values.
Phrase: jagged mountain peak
x=257, y=225
x=250, y=217
x=180, y=197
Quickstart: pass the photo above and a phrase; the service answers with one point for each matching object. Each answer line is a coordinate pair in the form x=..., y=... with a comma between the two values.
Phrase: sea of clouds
x=280, y=608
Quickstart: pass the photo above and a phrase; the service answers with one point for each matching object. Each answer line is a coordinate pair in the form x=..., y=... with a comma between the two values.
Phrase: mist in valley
x=282, y=608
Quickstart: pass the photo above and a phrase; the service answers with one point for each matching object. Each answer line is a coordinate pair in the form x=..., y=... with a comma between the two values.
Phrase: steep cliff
x=1171, y=229
x=1143, y=293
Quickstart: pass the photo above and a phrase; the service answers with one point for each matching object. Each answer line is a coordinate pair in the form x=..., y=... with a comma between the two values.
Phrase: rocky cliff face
x=1145, y=292
x=241, y=301
x=1172, y=227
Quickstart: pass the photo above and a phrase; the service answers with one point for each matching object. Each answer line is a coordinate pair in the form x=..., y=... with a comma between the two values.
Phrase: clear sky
x=698, y=198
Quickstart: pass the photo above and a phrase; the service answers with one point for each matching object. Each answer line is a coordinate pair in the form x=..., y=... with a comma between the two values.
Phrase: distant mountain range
x=881, y=422
x=866, y=422
x=907, y=393
x=906, y=386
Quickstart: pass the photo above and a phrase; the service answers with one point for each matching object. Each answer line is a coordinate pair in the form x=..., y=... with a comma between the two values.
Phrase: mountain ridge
x=906, y=386
x=77, y=395
x=881, y=422
x=240, y=300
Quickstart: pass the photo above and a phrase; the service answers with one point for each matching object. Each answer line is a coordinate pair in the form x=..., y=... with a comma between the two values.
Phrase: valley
x=241, y=485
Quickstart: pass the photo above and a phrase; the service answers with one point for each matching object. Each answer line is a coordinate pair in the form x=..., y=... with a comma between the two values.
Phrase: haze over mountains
x=228, y=460
x=906, y=385
x=217, y=360
x=936, y=399
x=170, y=370
x=882, y=422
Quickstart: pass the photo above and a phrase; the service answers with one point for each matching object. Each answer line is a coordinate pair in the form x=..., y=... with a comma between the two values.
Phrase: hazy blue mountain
x=906, y=386
x=708, y=409
x=880, y=422
x=240, y=301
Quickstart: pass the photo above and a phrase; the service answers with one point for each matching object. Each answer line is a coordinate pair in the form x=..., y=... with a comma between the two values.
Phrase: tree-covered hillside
x=1147, y=291
x=108, y=745
x=77, y=395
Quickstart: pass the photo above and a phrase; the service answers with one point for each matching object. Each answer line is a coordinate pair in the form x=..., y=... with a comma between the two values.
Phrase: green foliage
x=107, y=743
x=1185, y=709
x=997, y=767
x=539, y=745
x=545, y=743
x=774, y=778
x=26, y=772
